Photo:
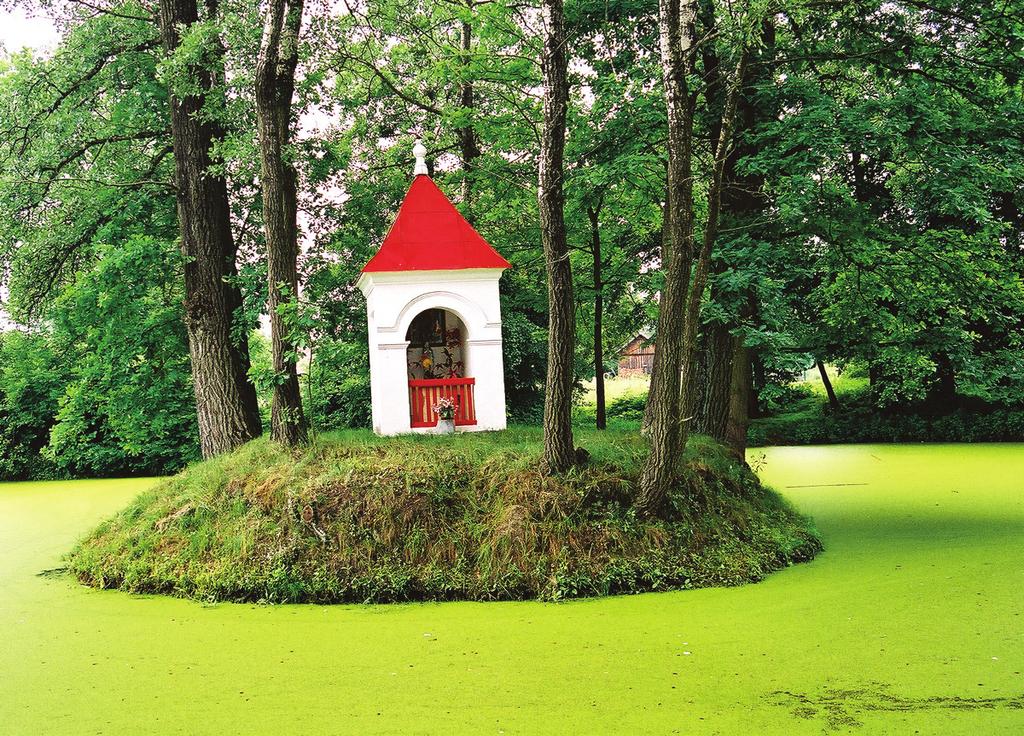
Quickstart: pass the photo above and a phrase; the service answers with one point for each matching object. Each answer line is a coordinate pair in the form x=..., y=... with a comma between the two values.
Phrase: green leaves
x=128, y=402
x=895, y=174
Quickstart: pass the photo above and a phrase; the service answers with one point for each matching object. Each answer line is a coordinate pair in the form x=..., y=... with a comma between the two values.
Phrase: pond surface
x=911, y=621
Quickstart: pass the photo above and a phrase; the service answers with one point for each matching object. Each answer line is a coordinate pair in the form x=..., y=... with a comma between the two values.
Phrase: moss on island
x=357, y=518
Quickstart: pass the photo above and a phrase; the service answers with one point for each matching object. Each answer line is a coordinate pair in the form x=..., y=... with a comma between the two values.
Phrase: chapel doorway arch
x=438, y=359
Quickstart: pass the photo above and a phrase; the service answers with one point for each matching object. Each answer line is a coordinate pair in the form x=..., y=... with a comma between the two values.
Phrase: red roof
x=429, y=234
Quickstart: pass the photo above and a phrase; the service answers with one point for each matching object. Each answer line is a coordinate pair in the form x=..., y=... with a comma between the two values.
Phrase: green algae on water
x=909, y=622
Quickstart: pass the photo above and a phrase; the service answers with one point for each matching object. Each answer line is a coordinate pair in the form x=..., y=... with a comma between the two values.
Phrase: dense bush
x=778, y=397
x=868, y=424
x=338, y=386
x=106, y=388
x=129, y=407
x=803, y=418
x=30, y=387
x=624, y=410
x=360, y=518
x=628, y=406
x=525, y=352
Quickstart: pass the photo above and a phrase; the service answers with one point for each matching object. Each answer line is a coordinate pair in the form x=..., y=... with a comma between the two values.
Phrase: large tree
x=721, y=386
x=687, y=263
x=225, y=398
x=677, y=32
x=894, y=168
x=92, y=139
x=559, y=453
x=275, y=86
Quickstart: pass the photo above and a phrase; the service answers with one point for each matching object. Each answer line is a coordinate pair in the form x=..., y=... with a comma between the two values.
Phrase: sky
x=18, y=30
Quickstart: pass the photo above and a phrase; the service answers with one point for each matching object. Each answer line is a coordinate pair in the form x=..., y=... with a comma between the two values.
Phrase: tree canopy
x=772, y=184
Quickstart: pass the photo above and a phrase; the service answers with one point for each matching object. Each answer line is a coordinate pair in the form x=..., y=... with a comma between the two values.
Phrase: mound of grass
x=358, y=518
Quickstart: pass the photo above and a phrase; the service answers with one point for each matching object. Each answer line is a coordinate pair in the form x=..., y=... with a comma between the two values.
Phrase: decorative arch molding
x=470, y=313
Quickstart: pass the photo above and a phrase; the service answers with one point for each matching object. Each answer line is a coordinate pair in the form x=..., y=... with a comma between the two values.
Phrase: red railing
x=424, y=393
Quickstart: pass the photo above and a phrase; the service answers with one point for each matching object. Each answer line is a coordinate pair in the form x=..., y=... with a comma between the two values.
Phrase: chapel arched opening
x=438, y=362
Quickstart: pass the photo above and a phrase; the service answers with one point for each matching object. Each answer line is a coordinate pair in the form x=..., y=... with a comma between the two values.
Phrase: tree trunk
x=739, y=400
x=722, y=394
x=225, y=398
x=666, y=258
x=468, y=147
x=559, y=454
x=743, y=207
x=275, y=85
x=712, y=384
x=595, y=249
x=676, y=32
x=667, y=443
x=703, y=260
x=833, y=401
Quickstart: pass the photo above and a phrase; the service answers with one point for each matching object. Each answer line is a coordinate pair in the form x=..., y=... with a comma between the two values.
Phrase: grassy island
x=357, y=518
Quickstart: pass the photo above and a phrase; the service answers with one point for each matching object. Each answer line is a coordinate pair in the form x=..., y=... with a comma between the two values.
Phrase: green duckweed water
x=912, y=621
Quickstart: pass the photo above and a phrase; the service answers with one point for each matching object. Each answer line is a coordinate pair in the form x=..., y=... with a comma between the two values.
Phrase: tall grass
x=355, y=517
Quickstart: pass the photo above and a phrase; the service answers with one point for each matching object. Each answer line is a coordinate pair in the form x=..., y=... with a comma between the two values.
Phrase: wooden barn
x=637, y=356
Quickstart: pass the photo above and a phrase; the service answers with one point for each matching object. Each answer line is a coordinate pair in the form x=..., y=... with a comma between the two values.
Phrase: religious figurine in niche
x=424, y=363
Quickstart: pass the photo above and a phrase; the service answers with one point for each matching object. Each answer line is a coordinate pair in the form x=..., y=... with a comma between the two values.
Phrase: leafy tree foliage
x=127, y=407
x=105, y=388
x=871, y=203
x=30, y=388
x=85, y=157
x=895, y=174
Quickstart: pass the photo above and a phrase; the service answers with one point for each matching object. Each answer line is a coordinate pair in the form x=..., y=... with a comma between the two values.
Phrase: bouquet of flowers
x=445, y=408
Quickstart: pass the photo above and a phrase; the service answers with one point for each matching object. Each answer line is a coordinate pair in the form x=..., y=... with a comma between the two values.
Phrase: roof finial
x=420, y=152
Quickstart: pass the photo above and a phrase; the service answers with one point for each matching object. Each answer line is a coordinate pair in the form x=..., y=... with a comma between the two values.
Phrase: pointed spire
x=420, y=152
x=429, y=234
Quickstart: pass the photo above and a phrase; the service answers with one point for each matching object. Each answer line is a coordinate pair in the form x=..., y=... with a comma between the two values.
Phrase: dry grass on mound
x=356, y=518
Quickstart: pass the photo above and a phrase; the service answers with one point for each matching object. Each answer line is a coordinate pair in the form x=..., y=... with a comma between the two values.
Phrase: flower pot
x=446, y=426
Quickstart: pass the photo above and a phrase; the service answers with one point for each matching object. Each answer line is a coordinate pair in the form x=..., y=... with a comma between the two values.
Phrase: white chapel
x=434, y=317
